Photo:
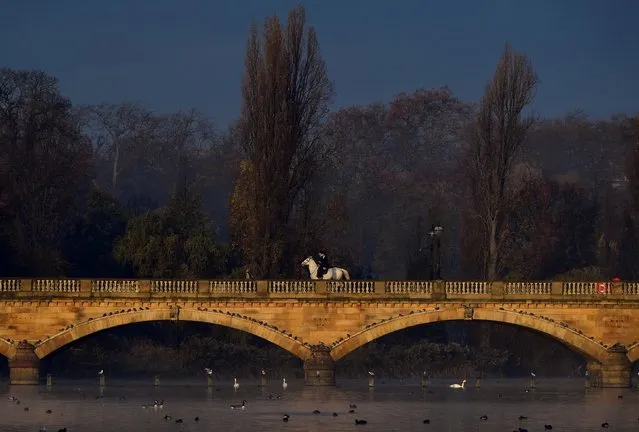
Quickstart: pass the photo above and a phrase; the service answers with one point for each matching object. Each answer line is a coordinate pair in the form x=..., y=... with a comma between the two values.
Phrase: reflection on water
x=390, y=406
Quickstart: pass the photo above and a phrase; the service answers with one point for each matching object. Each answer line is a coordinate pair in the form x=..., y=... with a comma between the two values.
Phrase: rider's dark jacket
x=322, y=263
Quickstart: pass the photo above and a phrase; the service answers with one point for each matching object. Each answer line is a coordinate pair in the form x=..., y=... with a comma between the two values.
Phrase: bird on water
x=239, y=406
x=458, y=386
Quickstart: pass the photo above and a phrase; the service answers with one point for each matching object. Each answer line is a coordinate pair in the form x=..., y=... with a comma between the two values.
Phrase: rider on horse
x=322, y=263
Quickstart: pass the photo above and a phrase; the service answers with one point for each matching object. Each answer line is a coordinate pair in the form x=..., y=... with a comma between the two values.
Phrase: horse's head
x=307, y=261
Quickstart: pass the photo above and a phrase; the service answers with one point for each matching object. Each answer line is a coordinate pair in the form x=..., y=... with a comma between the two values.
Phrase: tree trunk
x=491, y=270
x=114, y=175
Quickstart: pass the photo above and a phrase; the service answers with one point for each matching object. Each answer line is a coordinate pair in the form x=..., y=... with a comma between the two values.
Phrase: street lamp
x=435, y=251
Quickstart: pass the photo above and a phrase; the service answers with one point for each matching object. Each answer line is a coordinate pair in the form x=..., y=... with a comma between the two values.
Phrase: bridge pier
x=319, y=369
x=613, y=372
x=24, y=366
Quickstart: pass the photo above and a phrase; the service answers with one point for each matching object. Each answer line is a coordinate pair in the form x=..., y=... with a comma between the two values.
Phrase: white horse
x=333, y=273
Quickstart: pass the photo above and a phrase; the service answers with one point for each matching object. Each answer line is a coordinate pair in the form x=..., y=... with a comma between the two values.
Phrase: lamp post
x=435, y=251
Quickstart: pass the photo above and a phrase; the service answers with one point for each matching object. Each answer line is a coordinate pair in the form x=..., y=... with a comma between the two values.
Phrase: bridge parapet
x=10, y=285
x=467, y=287
x=115, y=286
x=232, y=286
x=586, y=288
x=241, y=288
x=56, y=285
x=409, y=287
x=350, y=287
x=630, y=288
x=527, y=288
x=292, y=287
x=174, y=286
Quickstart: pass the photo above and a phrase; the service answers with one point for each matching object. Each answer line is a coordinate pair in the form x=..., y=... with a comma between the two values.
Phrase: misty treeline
x=117, y=190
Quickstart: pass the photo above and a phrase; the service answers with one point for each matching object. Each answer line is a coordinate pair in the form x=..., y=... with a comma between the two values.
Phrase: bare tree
x=632, y=168
x=4, y=180
x=119, y=133
x=426, y=127
x=48, y=166
x=186, y=138
x=286, y=93
x=496, y=141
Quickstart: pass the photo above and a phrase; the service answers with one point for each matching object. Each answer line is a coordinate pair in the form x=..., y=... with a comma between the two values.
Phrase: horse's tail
x=346, y=275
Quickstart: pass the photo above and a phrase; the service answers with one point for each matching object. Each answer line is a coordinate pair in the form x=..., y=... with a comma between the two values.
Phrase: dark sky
x=182, y=54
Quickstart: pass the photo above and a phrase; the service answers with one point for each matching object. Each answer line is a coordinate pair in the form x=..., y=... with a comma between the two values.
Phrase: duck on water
x=239, y=406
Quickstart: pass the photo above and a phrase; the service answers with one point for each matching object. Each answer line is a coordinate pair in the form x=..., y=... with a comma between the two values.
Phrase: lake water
x=390, y=406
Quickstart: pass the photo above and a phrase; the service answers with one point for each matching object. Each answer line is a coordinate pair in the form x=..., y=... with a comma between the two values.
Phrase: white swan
x=236, y=385
x=284, y=384
x=458, y=386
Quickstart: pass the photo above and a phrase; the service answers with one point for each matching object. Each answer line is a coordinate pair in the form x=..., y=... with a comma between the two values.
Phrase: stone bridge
x=321, y=321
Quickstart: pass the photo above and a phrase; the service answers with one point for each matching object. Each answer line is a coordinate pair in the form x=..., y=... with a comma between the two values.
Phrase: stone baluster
x=408, y=287
x=528, y=288
x=115, y=286
x=10, y=285
x=630, y=288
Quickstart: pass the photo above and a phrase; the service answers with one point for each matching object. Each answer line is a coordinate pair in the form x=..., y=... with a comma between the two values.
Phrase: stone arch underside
x=95, y=325
x=569, y=337
x=7, y=349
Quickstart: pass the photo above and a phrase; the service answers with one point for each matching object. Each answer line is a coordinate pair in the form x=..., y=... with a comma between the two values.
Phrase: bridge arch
x=569, y=337
x=7, y=349
x=86, y=328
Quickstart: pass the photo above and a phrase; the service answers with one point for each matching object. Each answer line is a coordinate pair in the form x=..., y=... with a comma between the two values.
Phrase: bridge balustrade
x=467, y=287
x=291, y=287
x=583, y=288
x=60, y=285
x=115, y=286
x=232, y=286
x=409, y=287
x=630, y=288
x=528, y=288
x=350, y=287
x=174, y=286
x=157, y=288
x=10, y=285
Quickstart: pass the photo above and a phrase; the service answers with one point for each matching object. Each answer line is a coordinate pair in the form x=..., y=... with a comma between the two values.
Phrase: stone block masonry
x=321, y=321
